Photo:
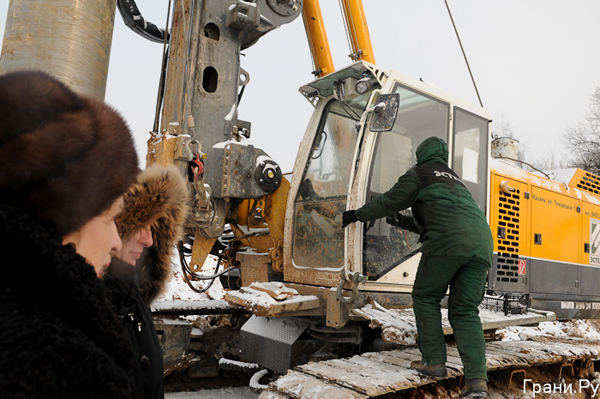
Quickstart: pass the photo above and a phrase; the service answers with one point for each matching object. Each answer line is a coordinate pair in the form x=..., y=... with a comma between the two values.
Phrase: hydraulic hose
x=134, y=20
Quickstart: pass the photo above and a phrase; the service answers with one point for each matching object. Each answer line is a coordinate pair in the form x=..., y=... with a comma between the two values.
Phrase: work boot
x=433, y=370
x=474, y=389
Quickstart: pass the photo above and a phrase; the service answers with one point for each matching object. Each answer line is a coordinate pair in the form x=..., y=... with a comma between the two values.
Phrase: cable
x=464, y=54
x=134, y=21
x=188, y=42
x=343, y=104
x=187, y=271
x=531, y=166
x=351, y=35
x=322, y=145
x=163, y=76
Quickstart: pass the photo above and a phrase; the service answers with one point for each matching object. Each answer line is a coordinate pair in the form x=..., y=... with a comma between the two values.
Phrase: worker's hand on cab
x=348, y=217
x=394, y=220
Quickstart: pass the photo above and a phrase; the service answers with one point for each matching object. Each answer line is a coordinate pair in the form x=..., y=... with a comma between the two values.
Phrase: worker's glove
x=394, y=220
x=348, y=217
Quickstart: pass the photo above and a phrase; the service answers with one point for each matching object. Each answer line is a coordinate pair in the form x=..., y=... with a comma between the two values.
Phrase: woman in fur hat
x=65, y=162
x=150, y=226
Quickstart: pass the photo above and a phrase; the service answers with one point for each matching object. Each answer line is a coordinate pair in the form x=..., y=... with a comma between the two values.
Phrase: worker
x=65, y=161
x=149, y=226
x=456, y=253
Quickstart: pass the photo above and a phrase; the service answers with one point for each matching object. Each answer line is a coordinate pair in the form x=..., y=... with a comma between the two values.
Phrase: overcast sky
x=536, y=63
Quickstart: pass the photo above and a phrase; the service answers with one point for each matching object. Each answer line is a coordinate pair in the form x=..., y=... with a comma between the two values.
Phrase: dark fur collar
x=54, y=279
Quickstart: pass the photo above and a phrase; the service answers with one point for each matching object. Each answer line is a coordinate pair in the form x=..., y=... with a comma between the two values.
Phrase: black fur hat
x=64, y=158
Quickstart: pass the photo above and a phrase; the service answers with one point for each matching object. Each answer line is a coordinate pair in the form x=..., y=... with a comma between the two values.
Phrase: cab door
x=379, y=250
x=317, y=237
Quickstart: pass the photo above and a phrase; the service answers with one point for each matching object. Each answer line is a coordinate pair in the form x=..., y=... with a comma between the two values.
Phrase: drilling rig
x=314, y=288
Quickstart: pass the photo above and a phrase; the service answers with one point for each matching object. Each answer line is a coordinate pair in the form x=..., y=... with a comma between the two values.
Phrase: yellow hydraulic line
x=317, y=38
x=358, y=31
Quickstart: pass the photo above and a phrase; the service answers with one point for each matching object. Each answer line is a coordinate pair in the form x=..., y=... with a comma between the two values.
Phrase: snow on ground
x=585, y=329
x=177, y=289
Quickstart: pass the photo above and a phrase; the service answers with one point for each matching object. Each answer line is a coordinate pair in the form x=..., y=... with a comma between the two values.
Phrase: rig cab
x=363, y=135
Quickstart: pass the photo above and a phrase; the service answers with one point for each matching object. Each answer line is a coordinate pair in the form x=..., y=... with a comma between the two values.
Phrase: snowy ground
x=177, y=289
x=586, y=329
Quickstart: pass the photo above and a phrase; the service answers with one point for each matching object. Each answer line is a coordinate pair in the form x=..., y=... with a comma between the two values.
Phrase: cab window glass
x=419, y=117
x=318, y=237
x=470, y=153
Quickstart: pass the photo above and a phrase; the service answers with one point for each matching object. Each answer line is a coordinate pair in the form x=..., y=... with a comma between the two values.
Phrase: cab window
x=318, y=237
x=470, y=153
x=419, y=117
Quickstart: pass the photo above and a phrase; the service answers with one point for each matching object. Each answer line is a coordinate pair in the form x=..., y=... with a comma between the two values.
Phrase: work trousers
x=466, y=278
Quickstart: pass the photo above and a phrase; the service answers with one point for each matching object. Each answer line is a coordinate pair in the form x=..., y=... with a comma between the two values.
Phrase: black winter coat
x=123, y=284
x=159, y=200
x=59, y=334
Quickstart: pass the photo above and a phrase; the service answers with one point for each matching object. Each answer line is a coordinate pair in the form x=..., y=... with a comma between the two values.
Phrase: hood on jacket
x=158, y=199
x=433, y=149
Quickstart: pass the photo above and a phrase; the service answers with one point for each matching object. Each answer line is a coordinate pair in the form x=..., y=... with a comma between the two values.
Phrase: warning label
x=522, y=267
x=594, y=242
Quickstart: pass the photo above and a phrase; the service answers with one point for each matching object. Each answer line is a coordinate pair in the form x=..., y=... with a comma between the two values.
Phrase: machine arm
x=199, y=122
x=317, y=38
x=358, y=31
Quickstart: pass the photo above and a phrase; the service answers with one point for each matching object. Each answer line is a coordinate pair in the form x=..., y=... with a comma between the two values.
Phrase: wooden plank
x=274, y=289
x=532, y=352
x=261, y=304
x=299, y=385
x=347, y=375
x=404, y=359
x=398, y=377
x=453, y=358
x=389, y=357
x=398, y=326
x=571, y=350
x=498, y=359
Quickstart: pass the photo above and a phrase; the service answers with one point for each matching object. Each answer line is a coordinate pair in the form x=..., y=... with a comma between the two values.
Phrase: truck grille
x=590, y=183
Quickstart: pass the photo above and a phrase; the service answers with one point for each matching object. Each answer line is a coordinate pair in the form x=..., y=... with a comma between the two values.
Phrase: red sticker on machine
x=522, y=267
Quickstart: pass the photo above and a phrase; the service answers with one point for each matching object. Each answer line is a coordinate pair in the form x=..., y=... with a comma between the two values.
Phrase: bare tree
x=550, y=161
x=583, y=140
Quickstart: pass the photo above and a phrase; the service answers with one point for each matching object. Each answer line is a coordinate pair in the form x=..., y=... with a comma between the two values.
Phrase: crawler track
x=377, y=374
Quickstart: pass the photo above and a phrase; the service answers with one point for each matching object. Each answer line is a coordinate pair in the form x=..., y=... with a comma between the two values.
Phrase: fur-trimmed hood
x=159, y=198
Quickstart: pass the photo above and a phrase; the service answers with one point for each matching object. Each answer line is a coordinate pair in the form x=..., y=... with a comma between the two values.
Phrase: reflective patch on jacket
x=432, y=173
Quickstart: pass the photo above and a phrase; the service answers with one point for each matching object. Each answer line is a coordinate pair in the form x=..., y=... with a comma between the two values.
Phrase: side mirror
x=385, y=112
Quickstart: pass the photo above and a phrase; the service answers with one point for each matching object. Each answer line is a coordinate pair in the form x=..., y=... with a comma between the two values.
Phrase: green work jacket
x=445, y=214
